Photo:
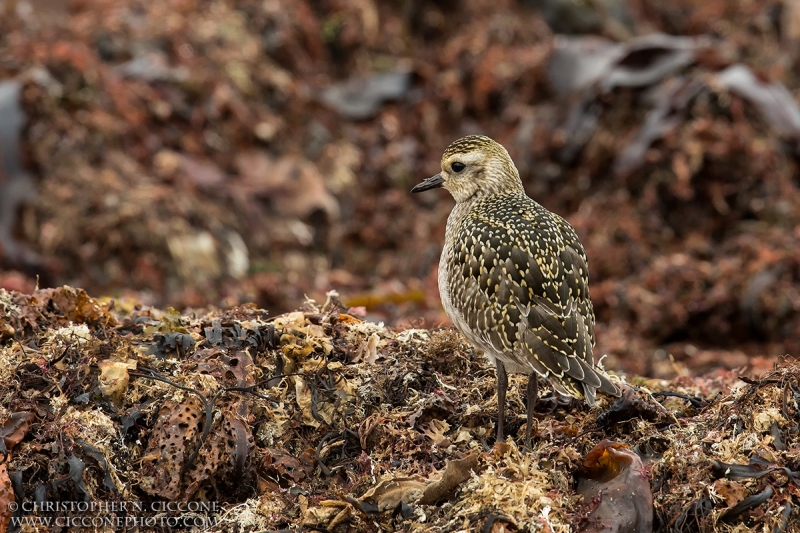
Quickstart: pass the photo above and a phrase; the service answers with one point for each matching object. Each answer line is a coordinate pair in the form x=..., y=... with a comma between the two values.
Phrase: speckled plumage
x=513, y=276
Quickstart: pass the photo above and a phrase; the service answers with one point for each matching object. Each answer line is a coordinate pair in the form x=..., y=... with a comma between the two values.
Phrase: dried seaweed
x=616, y=491
x=282, y=412
x=183, y=157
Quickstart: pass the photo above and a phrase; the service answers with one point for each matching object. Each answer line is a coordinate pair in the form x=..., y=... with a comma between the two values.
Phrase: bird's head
x=473, y=167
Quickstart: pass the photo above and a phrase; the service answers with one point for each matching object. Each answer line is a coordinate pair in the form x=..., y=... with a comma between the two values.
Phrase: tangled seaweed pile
x=320, y=419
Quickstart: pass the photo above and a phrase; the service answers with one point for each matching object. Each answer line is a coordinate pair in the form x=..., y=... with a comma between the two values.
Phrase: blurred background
x=216, y=152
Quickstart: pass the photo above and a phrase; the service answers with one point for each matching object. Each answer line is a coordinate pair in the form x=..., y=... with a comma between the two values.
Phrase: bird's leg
x=533, y=397
x=502, y=387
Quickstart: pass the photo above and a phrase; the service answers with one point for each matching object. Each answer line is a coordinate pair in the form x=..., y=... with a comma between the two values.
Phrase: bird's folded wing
x=533, y=308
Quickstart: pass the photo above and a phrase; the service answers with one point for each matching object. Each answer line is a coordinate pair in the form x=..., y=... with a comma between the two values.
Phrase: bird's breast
x=448, y=269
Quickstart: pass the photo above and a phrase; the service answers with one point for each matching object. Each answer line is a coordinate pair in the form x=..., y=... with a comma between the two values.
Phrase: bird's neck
x=460, y=212
x=463, y=208
x=502, y=179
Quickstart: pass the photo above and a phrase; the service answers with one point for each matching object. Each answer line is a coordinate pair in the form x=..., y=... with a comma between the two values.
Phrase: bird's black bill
x=434, y=182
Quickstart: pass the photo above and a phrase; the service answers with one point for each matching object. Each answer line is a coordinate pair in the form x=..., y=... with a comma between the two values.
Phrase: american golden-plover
x=513, y=277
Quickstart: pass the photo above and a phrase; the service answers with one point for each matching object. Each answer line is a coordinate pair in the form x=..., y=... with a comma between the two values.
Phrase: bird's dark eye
x=458, y=166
